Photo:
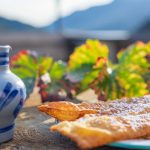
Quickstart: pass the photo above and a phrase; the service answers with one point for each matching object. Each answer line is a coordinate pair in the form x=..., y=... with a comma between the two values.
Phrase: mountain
x=127, y=15
x=11, y=25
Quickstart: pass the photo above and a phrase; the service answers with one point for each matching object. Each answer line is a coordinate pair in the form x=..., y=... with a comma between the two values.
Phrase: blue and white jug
x=12, y=96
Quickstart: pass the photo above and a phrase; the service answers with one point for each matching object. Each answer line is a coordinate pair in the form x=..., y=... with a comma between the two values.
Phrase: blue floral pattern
x=20, y=105
x=8, y=95
x=2, y=130
x=4, y=54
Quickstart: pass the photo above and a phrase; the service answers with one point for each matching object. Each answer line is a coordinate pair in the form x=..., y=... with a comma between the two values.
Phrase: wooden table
x=32, y=133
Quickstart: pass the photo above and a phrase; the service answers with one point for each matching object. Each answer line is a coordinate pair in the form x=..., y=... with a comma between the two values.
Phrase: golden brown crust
x=94, y=130
x=70, y=111
x=65, y=110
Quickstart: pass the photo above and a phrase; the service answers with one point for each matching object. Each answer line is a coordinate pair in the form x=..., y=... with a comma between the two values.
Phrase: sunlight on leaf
x=87, y=54
x=58, y=70
x=89, y=67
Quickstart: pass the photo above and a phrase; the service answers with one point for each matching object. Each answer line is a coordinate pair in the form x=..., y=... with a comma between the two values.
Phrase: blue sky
x=43, y=12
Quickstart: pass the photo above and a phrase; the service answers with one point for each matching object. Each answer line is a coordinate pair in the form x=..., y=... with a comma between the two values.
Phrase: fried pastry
x=70, y=111
x=65, y=110
x=95, y=130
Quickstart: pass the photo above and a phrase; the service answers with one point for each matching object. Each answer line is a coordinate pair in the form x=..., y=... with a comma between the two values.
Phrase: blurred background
x=55, y=27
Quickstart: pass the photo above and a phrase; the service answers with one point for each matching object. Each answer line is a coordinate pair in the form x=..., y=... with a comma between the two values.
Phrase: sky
x=41, y=13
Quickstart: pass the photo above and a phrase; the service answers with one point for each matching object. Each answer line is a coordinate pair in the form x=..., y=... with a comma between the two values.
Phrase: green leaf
x=23, y=72
x=133, y=69
x=132, y=84
x=44, y=64
x=83, y=62
x=134, y=58
x=78, y=74
x=88, y=78
x=58, y=70
x=88, y=54
x=26, y=61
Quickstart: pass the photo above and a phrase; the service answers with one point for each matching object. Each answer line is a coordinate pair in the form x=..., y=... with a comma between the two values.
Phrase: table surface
x=32, y=133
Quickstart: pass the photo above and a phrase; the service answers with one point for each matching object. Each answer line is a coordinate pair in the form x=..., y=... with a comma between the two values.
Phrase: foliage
x=135, y=60
x=127, y=78
x=88, y=67
x=87, y=54
x=81, y=65
x=29, y=66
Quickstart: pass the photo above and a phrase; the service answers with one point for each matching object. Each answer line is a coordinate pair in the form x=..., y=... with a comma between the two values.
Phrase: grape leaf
x=28, y=66
x=83, y=59
x=44, y=64
x=134, y=57
x=126, y=77
x=58, y=70
x=87, y=54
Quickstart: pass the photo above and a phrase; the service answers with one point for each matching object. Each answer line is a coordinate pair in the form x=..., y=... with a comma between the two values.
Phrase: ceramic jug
x=12, y=96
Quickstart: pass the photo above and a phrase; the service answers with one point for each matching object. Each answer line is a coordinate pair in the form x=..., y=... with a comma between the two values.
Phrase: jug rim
x=2, y=47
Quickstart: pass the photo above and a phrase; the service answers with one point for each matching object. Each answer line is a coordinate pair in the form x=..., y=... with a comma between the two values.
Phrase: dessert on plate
x=105, y=122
